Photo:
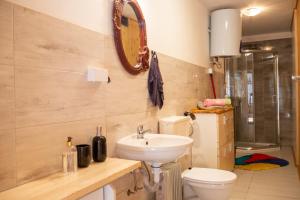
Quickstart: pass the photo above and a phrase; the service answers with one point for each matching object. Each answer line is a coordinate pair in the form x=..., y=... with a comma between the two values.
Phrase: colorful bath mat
x=259, y=161
x=257, y=166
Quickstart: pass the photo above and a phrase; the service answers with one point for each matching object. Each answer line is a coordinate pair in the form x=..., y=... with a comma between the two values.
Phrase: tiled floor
x=277, y=184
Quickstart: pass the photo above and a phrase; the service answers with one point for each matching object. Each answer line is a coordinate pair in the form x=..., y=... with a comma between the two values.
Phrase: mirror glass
x=130, y=36
x=130, y=33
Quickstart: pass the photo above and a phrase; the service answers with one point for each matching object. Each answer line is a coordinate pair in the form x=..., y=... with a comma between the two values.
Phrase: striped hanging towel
x=171, y=186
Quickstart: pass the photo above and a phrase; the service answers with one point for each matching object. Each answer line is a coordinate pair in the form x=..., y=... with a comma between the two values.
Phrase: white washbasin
x=154, y=148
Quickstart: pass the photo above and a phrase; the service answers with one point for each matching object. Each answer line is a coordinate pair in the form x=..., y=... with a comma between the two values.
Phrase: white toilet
x=207, y=184
x=199, y=183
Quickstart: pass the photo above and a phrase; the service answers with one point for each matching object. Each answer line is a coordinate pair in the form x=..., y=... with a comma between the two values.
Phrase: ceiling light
x=252, y=11
x=267, y=48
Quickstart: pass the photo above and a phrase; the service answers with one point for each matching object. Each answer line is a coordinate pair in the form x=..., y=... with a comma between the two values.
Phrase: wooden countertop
x=212, y=111
x=61, y=186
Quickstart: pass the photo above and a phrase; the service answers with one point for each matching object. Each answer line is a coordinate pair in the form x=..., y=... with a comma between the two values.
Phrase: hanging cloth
x=155, y=83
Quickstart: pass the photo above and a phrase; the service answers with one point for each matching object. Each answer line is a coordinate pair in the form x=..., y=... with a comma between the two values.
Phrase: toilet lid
x=209, y=175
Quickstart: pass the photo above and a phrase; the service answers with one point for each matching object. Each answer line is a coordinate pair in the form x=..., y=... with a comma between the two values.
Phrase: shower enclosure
x=252, y=83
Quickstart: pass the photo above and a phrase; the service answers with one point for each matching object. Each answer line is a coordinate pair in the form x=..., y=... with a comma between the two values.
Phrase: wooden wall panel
x=7, y=105
x=7, y=159
x=51, y=58
x=51, y=96
x=45, y=42
x=39, y=148
x=6, y=33
x=53, y=99
x=7, y=125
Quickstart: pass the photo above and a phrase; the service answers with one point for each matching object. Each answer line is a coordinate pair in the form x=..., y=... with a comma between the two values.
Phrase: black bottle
x=99, y=146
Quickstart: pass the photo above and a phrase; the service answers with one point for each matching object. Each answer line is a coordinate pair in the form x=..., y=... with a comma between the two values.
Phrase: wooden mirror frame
x=143, y=58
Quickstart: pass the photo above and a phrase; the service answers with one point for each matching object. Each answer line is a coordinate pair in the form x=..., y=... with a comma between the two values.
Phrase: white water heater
x=226, y=33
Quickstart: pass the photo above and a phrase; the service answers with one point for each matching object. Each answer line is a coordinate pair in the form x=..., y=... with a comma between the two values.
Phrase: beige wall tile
x=6, y=33
x=6, y=20
x=45, y=42
x=50, y=96
x=6, y=68
x=7, y=114
x=39, y=148
x=127, y=96
x=185, y=162
x=5, y=51
x=6, y=84
x=7, y=117
x=7, y=159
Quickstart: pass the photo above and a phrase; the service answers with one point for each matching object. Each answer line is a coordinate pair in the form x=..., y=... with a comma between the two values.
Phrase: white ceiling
x=276, y=17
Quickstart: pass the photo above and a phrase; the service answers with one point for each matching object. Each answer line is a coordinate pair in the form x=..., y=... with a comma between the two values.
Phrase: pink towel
x=216, y=102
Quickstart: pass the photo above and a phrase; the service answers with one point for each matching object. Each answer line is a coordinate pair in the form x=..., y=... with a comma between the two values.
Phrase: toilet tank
x=176, y=125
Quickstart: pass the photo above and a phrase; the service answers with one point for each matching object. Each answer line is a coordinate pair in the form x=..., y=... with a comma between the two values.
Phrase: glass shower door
x=266, y=98
x=244, y=101
x=253, y=87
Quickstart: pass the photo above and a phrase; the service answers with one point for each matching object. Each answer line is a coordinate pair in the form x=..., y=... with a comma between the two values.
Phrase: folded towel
x=216, y=102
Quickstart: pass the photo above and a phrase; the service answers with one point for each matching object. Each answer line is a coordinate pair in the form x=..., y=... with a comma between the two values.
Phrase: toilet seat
x=209, y=176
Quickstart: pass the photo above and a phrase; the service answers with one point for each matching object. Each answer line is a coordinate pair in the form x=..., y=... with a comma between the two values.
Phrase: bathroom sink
x=154, y=148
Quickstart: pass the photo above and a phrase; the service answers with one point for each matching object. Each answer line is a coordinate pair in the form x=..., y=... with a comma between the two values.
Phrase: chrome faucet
x=141, y=131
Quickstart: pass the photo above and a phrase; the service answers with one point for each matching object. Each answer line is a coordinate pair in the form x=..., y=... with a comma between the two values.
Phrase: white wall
x=91, y=14
x=177, y=28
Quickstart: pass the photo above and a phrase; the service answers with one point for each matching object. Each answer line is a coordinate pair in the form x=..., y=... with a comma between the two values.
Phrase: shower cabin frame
x=254, y=144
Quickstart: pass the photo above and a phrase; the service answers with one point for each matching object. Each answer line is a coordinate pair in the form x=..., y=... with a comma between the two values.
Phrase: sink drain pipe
x=152, y=187
x=156, y=172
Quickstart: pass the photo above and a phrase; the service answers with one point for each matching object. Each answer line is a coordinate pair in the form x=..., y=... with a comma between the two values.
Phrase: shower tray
x=248, y=146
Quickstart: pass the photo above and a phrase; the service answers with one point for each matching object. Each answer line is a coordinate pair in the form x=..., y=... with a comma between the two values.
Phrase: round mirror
x=130, y=33
x=130, y=36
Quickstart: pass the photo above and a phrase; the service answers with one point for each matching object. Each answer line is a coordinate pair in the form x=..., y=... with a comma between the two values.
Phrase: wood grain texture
x=7, y=115
x=6, y=33
x=61, y=186
x=6, y=66
x=7, y=104
x=51, y=58
x=7, y=159
x=45, y=42
x=45, y=145
x=213, y=111
x=51, y=96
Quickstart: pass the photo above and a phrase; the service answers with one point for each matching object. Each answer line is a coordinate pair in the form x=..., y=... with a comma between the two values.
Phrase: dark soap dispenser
x=99, y=146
